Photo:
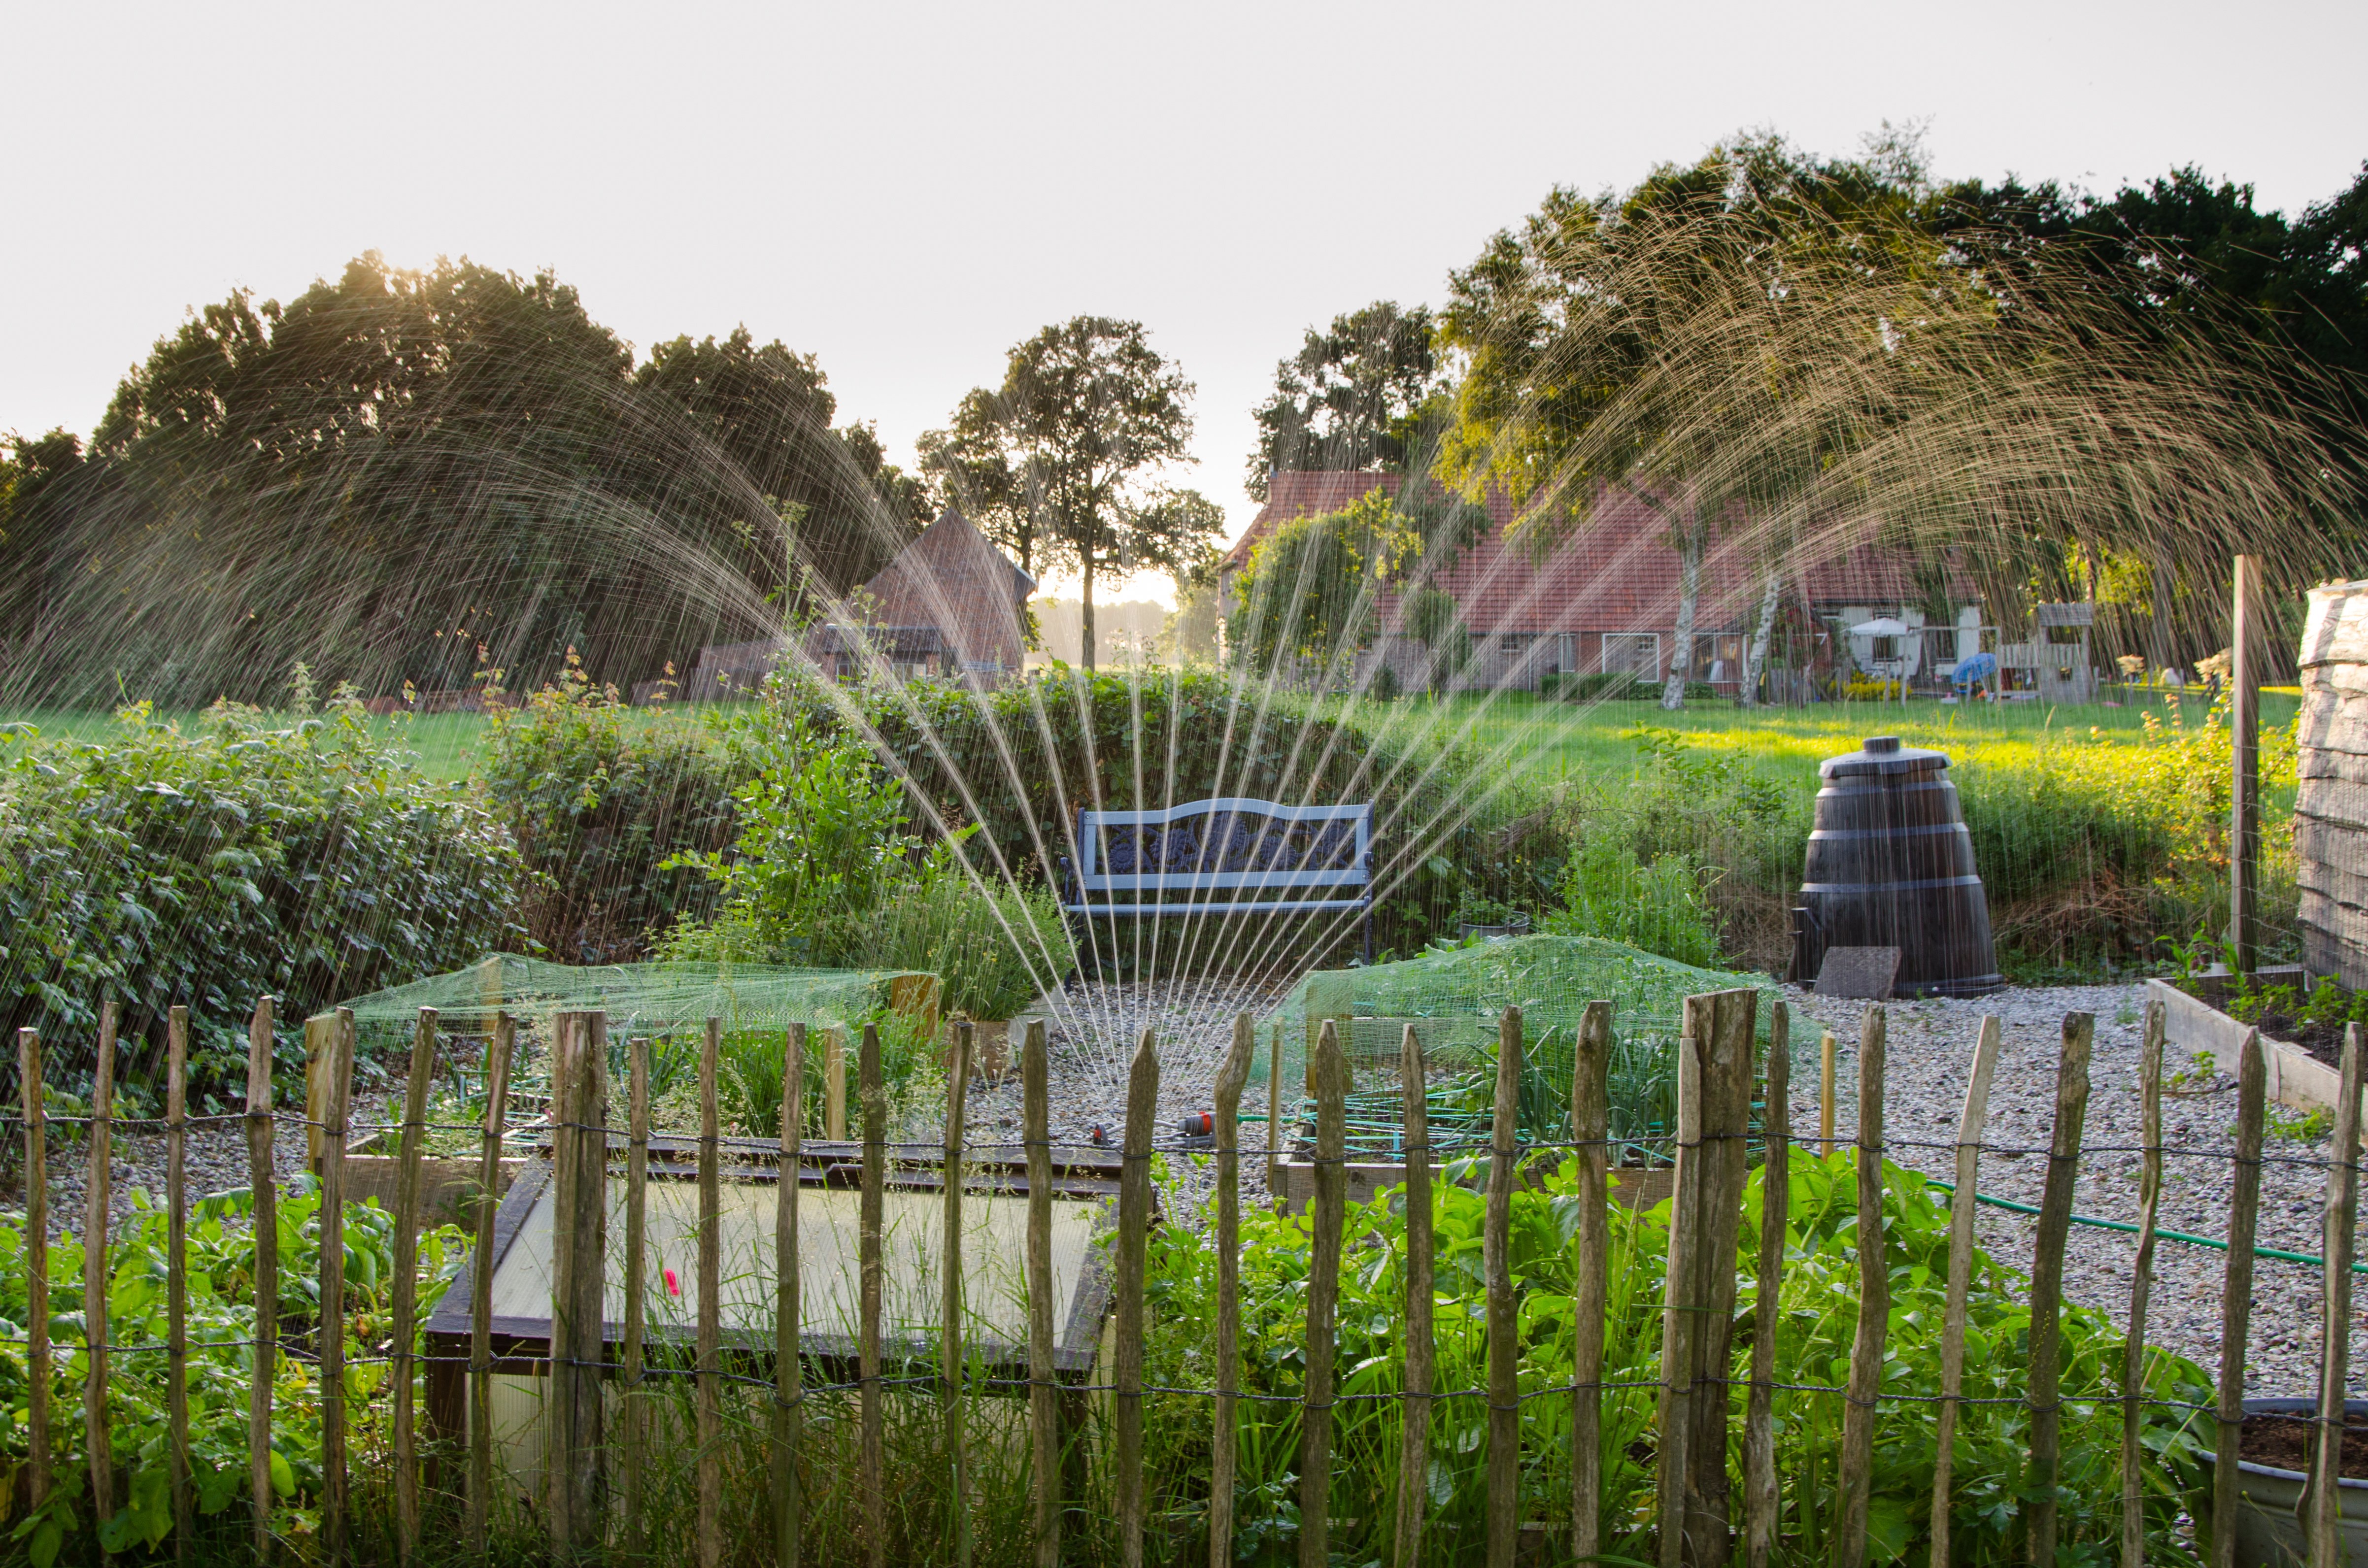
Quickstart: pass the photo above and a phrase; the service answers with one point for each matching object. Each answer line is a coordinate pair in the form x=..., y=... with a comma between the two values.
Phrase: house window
x=1633, y=653
x=1510, y=643
x=1885, y=648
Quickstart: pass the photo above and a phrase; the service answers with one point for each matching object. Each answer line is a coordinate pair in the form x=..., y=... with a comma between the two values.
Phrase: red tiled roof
x=1616, y=572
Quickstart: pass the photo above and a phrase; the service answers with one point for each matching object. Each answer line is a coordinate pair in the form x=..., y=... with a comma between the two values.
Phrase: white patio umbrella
x=1881, y=626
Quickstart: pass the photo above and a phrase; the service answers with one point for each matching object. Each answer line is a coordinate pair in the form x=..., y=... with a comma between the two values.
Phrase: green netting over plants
x=640, y=998
x=1455, y=998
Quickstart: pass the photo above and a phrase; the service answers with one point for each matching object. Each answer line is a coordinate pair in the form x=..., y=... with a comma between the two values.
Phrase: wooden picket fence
x=1718, y=1075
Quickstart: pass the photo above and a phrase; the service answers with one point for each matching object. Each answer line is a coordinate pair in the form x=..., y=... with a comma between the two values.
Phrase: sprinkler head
x=1200, y=1124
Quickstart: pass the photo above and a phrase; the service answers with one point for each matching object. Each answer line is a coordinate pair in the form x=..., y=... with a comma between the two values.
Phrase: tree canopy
x=409, y=476
x=1353, y=399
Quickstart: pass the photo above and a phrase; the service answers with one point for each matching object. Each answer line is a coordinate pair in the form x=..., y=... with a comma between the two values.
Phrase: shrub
x=1656, y=906
x=997, y=949
x=607, y=805
x=292, y=856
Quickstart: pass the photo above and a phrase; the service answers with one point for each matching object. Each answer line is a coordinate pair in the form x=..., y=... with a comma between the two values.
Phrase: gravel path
x=1930, y=1045
x=1092, y=1029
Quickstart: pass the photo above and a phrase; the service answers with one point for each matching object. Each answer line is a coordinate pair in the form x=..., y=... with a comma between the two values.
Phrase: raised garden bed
x=2193, y=1022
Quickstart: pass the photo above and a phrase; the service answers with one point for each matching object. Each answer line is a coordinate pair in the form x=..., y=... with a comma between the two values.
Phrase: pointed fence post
x=1327, y=1213
x=2323, y=1526
x=2134, y=1350
x=789, y=1371
x=1232, y=1074
x=1413, y=1452
x=336, y=1066
x=2047, y=1284
x=1856, y=1466
x=834, y=1083
x=96, y=1276
x=1504, y=1327
x=263, y=1184
x=1760, y=1501
x=1970, y=1125
x=176, y=1273
x=632, y=1415
x=481, y=1280
x=1133, y=1240
x=870, y=1243
x=2237, y=1291
x=1043, y=1395
x=711, y=1322
x=949, y=1346
x=407, y=1286
x=37, y=1270
x=579, y=1210
x=1590, y=1129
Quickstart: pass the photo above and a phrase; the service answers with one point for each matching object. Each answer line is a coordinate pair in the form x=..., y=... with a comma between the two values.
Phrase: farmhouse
x=949, y=605
x=1607, y=600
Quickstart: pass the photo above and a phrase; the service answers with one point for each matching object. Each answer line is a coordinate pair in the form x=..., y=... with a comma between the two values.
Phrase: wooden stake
x=406, y=1285
x=1760, y=1500
x=633, y=1354
x=870, y=1216
x=834, y=1083
x=579, y=1209
x=1590, y=1129
x=2237, y=1291
x=1856, y=1466
x=2324, y=1519
x=2245, y=735
x=176, y=1273
x=1504, y=1325
x=1232, y=1074
x=2047, y=1284
x=1678, y=1309
x=788, y=1368
x=481, y=1280
x=37, y=1365
x=949, y=1344
x=710, y=1319
x=1328, y=1216
x=263, y=1184
x=2133, y=1368
x=1133, y=1242
x=96, y=1276
x=1274, y=1122
x=1826, y=1093
x=1970, y=1125
x=1043, y=1406
x=336, y=1093
x=1413, y=1452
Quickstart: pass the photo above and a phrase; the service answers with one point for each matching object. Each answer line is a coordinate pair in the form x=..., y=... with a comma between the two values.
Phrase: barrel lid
x=1883, y=754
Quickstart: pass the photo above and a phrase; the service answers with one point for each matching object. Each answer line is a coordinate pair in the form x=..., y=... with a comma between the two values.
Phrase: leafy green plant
x=1658, y=907
x=246, y=855
x=996, y=948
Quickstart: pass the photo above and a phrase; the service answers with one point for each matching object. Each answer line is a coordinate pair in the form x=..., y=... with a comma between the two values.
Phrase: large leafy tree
x=1354, y=397
x=1069, y=452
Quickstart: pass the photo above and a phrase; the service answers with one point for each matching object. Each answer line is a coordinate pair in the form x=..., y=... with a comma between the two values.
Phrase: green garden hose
x=2009, y=1203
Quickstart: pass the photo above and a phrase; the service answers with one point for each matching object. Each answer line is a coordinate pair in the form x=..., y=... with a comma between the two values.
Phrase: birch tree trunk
x=1755, y=658
x=1689, y=563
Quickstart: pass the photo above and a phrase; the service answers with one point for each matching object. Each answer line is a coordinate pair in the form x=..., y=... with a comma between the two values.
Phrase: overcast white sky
x=908, y=190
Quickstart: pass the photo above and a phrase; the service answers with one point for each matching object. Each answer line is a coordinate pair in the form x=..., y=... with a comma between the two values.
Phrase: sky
x=907, y=190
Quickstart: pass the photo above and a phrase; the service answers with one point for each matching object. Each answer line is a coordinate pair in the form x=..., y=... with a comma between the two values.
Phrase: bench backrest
x=1233, y=842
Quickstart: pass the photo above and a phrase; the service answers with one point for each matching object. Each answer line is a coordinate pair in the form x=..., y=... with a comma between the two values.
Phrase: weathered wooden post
x=1327, y=1215
x=37, y=1270
x=1714, y=1083
x=871, y=1216
x=176, y=1273
x=710, y=1391
x=2237, y=1291
x=1856, y=1470
x=1413, y=1451
x=1503, y=1324
x=263, y=1183
x=1043, y=1395
x=2133, y=1347
x=1970, y=1125
x=96, y=1277
x=1133, y=1240
x=1590, y=1129
x=789, y=1371
x=2244, y=651
x=1760, y=1501
x=579, y=1209
x=2322, y=1525
x=949, y=1328
x=406, y=1285
x=481, y=1280
x=2047, y=1284
x=1232, y=1074
x=337, y=1077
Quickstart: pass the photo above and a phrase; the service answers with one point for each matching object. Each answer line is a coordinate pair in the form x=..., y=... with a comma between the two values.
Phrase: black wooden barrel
x=1890, y=865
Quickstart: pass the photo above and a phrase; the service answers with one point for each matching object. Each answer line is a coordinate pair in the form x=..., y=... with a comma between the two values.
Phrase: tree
x=1352, y=399
x=1087, y=416
x=1314, y=589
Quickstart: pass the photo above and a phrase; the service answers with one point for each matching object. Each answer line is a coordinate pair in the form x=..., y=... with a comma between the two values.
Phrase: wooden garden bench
x=1221, y=857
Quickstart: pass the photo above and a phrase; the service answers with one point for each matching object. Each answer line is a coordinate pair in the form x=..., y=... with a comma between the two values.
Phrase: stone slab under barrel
x=1891, y=865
